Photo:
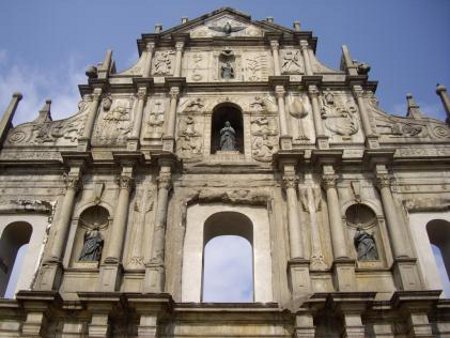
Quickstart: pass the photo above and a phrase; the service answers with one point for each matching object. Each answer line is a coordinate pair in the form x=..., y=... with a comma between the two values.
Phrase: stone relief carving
x=234, y=196
x=340, y=116
x=256, y=66
x=291, y=61
x=227, y=65
x=264, y=104
x=192, y=105
x=189, y=142
x=265, y=140
x=155, y=120
x=426, y=204
x=198, y=67
x=114, y=124
x=46, y=131
x=163, y=63
x=225, y=26
x=298, y=110
x=26, y=205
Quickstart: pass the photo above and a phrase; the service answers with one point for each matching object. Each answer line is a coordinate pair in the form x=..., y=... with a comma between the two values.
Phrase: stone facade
x=113, y=201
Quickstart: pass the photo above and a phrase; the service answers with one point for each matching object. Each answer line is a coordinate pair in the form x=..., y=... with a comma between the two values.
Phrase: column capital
x=329, y=180
x=383, y=180
x=97, y=93
x=313, y=90
x=179, y=45
x=274, y=44
x=150, y=46
x=304, y=44
x=72, y=182
x=174, y=92
x=125, y=182
x=290, y=182
x=141, y=93
x=357, y=91
x=280, y=91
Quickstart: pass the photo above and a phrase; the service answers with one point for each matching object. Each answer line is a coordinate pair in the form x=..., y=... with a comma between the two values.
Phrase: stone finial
x=442, y=92
x=297, y=26
x=158, y=28
x=269, y=19
x=413, y=108
x=44, y=113
x=184, y=19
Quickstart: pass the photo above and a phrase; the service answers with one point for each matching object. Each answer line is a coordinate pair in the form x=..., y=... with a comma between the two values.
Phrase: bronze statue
x=227, y=138
x=92, y=246
x=365, y=245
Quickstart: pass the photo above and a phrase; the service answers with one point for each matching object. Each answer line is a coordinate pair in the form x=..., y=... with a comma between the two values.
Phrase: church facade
x=226, y=126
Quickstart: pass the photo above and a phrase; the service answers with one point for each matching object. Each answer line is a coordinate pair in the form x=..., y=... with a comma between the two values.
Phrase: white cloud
x=228, y=275
x=60, y=84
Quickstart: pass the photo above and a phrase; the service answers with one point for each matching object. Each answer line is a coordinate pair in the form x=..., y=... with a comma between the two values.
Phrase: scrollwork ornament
x=441, y=131
x=72, y=182
x=383, y=181
x=17, y=136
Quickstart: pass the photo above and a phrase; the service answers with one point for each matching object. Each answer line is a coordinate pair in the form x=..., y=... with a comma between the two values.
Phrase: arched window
x=439, y=233
x=221, y=115
x=14, y=236
x=228, y=258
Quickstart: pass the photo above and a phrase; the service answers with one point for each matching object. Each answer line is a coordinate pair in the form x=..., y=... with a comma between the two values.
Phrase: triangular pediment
x=225, y=22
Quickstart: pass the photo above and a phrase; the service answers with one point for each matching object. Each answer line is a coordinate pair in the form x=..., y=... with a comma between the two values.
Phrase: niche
x=227, y=134
x=89, y=240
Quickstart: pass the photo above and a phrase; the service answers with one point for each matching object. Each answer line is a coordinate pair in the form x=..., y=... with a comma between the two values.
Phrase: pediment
x=226, y=23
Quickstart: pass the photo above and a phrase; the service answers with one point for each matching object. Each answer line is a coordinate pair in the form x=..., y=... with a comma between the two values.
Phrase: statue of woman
x=92, y=246
x=365, y=246
x=227, y=138
x=227, y=71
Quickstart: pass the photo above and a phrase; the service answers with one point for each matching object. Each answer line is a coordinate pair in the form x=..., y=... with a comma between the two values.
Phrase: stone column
x=280, y=92
x=154, y=269
x=358, y=93
x=5, y=122
x=150, y=47
x=321, y=139
x=133, y=140
x=343, y=266
x=442, y=92
x=85, y=140
x=304, y=47
x=274, y=45
x=179, y=45
x=111, y=268
x=295, y=239
x=169, y=134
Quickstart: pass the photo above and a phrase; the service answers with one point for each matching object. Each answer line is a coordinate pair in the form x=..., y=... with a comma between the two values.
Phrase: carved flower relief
x=265, y=138
x=291, y=61
x=114, y=124
x=163, y=63
x=51, y=131
x=339, y=114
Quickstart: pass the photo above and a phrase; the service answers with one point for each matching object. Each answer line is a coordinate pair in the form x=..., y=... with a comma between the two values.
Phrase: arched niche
x=438, y=231
x=90, y=236
x=366, y=235
x=222, y=231
x=205, y=222
x=13, y=237
x=222, y=113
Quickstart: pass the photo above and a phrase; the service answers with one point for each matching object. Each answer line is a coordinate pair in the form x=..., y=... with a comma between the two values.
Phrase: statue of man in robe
x=227, y=138
x=92, y=246
x=365, y=245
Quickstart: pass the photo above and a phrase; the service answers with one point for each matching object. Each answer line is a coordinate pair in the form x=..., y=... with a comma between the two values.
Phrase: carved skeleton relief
x=340, y=114
x=163, y=63
x=291, y=61
x=114, y=122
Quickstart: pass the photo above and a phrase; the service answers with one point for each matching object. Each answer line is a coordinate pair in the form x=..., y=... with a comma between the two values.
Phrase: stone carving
x=263, y=104
x=265, y=140
x=227, y=141
x=298, y=110
x=427, y=204
x=339, y=118
x=106, y=103
x=155, y=121
x=256, y=67
x=46, y=131
x=234, y=196
x=196, y=73
x=114, y=125
x=38, y=206
x=189, y=143
x=441, y=131
x=365, y=245
x=291, y=63
x=227, y=29
x=193, y=105
x=226, y=62
x=92, y=246
x=162, y=64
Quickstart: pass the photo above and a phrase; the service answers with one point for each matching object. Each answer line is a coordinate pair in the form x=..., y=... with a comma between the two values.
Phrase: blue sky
x=46, y=45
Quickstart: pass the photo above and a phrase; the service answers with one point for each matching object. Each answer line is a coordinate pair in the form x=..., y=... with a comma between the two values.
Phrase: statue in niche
x=365, y=245
x=92, y=246
x=227, y=71
x=227, y=138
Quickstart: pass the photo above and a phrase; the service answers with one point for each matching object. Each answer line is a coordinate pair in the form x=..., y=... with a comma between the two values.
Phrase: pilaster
x=84, y=142
x=5, y=122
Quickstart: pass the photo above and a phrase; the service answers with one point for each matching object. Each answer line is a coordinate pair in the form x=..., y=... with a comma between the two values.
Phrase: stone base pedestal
x=406, y=274
x=109, y=277
x=286, y=142
x=154, y=278
x=322, y=142
x=299, y=277
x=83, y=144
x=50, y=276
x=168, y=144
x=372, y=142
x=133, y=144
x=304, y=326
x=344, y=275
